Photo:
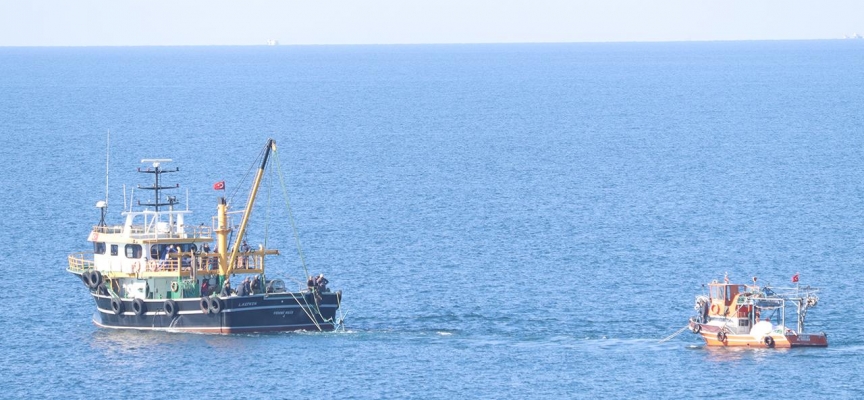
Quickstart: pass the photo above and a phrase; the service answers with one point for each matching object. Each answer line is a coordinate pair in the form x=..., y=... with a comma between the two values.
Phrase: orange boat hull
x=777, y=341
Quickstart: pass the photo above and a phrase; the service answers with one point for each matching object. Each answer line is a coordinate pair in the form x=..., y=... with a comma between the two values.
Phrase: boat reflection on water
x=734, y=354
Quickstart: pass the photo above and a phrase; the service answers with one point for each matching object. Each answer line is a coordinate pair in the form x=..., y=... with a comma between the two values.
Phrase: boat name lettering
x=248, y=304
x=283, y=312
x=803, y=338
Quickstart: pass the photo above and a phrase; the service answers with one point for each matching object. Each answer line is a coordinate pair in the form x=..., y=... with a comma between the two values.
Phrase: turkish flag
x=219, y=185
x=794, y=278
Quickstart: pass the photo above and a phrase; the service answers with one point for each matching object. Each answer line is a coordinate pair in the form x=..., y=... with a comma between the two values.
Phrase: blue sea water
x=506, y=221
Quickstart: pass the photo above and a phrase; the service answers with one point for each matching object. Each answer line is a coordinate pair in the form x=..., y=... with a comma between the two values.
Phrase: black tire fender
x=139, y=307
x=117, y=306
x=95, y=279
x=171, y=308
x=216, y=305
x=85, y=277
x=205, y=304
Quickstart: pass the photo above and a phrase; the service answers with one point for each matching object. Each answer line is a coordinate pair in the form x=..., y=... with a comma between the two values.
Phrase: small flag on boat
x=795, y=278
x=219, y=185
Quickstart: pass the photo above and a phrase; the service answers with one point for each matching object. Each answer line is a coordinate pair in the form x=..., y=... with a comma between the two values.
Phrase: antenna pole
x=107, y=158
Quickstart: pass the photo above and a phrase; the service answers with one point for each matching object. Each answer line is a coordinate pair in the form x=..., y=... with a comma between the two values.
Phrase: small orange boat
x=735, y=315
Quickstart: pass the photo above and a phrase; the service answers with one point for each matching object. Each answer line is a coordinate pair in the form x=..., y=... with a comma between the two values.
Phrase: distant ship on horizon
x=854, y=36
x=272, y=42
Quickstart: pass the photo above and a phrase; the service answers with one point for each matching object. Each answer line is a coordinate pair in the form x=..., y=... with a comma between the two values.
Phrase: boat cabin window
x=133, y=251
x=725, y=292
x=717, y=291
x=114, y=249
x=99, y=247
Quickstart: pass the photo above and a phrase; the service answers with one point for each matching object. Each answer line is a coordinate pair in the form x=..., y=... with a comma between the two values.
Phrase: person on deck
x=205, y=287
x=243, y=287
x=226, y=289
x=243, y=260
x=255, y=286
x=162, y=257
x=206, y=260
x=321, y=282
x=169, y=262
x=312, y=283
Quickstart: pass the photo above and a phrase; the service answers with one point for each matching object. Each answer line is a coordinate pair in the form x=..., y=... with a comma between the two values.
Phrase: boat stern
x=808, y=340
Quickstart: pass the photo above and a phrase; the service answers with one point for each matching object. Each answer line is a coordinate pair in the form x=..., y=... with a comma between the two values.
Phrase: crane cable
x=290, y=213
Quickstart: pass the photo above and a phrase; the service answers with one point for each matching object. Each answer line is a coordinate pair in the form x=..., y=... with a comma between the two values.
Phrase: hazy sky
x=246, y=22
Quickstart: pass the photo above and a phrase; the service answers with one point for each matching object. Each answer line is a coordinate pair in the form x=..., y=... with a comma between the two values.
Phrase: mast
x=107, y=159
x=232, y=260
x=157, y=171
x=102, y=205
x=222, y=231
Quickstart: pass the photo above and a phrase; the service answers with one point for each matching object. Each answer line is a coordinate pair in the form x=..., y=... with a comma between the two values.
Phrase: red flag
x=795, y=278
x=219, y=185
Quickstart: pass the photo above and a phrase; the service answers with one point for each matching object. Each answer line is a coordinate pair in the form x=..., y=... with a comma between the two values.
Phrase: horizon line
x=265, y=44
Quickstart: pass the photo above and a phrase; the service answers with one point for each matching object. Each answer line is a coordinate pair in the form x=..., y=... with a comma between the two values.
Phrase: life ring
x=721, y=336
x=205, y=305
x=116, y=305
x=174, y=286
x=216, y=305
x=715, y=309
x=769, y=341
x=171, y=308
x=697, y=328
x=139, y=307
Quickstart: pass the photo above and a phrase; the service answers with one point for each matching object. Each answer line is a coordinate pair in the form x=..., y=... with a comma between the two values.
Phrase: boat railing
x=142, y=232
x=249, y=260
x=180, y=263
x=108, y=228
x=80, y=262
x=791, y=293
x=202, y=231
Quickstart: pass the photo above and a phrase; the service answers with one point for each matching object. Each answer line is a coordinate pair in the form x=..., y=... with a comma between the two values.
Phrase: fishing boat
x=736, y=315
x=156, y=271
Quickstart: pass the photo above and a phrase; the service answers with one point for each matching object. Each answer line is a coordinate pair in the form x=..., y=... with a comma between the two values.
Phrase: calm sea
x=506, y=221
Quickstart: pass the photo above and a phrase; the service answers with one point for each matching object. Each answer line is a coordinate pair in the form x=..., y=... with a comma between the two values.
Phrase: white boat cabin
x=145, y=241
